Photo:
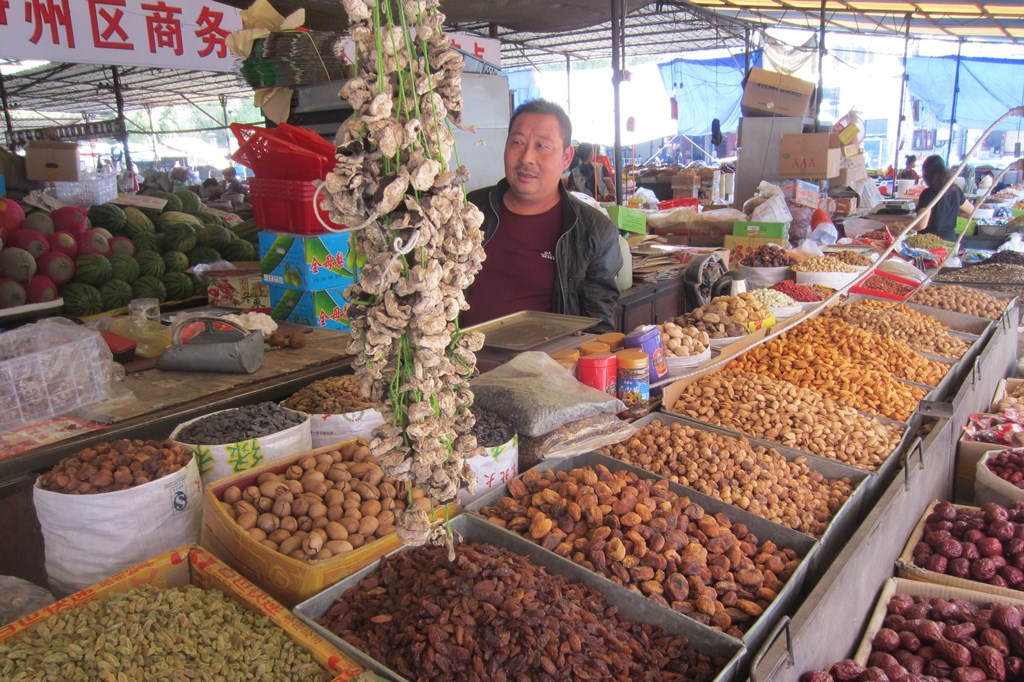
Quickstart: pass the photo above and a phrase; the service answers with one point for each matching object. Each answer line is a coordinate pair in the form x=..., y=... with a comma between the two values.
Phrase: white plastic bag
x=328, y=429
x=648, y=199
x=89, y=538
x=855, y=227
x=494, y=468
x=768, y=205
x=990, y=488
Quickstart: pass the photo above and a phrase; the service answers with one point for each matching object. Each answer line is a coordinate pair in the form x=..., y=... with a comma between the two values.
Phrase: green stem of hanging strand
x=379, y=45
x=433, y=108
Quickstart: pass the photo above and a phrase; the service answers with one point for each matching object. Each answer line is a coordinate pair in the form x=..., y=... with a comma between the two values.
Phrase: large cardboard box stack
x=768, y=93
x=810, y=156
x=307, y=276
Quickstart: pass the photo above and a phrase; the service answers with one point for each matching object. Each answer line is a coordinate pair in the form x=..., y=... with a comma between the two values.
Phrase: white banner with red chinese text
x=172, y=34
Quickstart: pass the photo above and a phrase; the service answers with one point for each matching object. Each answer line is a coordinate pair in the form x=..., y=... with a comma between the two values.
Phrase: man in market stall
x=546, y=250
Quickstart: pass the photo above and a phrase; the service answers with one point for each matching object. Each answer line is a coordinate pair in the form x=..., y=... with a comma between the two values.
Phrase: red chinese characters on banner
x=164, y=27
x=4, y=6
x=106, y=25
x=52, y=15
x=212, y=33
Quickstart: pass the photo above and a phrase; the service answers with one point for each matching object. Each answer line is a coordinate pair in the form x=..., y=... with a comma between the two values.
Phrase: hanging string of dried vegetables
x=422, y=246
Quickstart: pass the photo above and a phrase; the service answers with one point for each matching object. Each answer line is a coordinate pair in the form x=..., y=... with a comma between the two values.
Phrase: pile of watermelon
x=100, y=258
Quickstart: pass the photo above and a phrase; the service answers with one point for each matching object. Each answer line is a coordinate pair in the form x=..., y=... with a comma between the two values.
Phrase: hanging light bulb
x=630, y=124
x=673, y=108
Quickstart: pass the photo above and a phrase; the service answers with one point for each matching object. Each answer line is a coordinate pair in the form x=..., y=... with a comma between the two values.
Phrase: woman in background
x=940, y=220
x=909, y=172
x=588, y=176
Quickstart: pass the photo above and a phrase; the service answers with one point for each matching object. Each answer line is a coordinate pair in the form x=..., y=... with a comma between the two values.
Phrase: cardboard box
x=286, y=579
x=800, y=192
x=305, y=262
x=848, y=135
x=768, y=93
x=1006, y=387
x=239, y=288
x=758, y=158
x=327, y=308
x=194, y=565
x=628, y=219
x=742, y=228
x=968, y=454
x=50, y=161
x=851, y=170
x=809, y=155
x=906, y=569
x=740, y=247
x=845, y=206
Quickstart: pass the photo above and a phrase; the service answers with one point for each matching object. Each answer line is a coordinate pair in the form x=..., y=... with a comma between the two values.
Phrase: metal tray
x=805, y=546
x=475, y=529
x=845, y=520
x=529, y=329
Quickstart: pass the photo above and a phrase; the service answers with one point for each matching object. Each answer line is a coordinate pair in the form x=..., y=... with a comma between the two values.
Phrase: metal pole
x=119, y=99
x=152, y=133
x=956, y=97
x=819, y=92
x=7, y=114
x=746, y=52
x=568, y=86
x=903, y=92
x=617, y=19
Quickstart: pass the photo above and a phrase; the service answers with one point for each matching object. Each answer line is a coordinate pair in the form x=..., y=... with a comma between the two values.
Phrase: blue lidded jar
x=648, y=339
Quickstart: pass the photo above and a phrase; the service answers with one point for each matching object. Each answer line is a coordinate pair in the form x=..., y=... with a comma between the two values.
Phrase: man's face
x=535, y=158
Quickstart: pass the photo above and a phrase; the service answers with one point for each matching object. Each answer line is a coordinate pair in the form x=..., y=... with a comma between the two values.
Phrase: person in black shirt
x=940, y=220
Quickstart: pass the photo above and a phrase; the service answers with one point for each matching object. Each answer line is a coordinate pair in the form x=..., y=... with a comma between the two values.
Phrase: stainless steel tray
x=528, y=329
x=805, y=546
x=474, y=529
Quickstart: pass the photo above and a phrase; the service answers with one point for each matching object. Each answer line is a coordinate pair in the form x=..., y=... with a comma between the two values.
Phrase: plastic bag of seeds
x=534, y=393
x=574, y=438
x=19, y=598
x=499, y=462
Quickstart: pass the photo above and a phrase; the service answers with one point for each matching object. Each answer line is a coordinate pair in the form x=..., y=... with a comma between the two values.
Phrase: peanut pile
x=120, y=465
x=755, y=478
x=852, y=258
x=822, y=264
x=640, y=534
x=322, y=506
x=683, y=342
x=333, y=395
x=915, y=330
x=781, y=412
x=962, y=300
x=1011, y=400
x=489, y=614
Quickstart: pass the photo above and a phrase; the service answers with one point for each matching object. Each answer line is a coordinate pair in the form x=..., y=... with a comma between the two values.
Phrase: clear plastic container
x=48, y=369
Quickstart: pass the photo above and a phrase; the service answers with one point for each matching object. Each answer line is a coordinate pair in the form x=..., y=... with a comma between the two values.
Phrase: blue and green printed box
x=325, y=308
x=313, y=263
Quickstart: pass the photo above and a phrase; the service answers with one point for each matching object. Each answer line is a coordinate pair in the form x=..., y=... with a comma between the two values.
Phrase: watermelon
x=136, y=222
x=150, y=263
x=147, y=242
x=190, y=202
x=173, y=202
x=103, y=231
x=30, y=240
x=248, y=231
x=11, y=216
x=73, y=219
x=175, y=261
x=64, y=242
x=166, y=220
x=178, y=237
x=81, y=299
x=213, y=236
x=93, y=269
x=148, y=286
x=59, y=267
x=239, y=250
x=40, y=289
x=208, y=218
x=178, y=285
x=17, y=264
x=93, y=241
x=123, y=246
x=116, y=294
x=40, y=221
x=203, y=254
x=109, y=216
x=12, y=294
x=125, y=268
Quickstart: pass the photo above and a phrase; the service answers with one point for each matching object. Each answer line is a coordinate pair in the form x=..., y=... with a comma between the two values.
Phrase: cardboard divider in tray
x=906, y=568
x=470, y=528
x=843, y=523
x=805, y=546
x=287, y=579
x=672, y=392
x=914, y=588
x=195, y=565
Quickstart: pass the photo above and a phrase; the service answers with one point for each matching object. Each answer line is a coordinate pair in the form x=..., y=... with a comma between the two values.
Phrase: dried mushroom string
x=393, y=182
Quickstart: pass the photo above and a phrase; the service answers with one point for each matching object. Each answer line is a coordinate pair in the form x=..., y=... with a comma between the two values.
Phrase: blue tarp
x=523, y=86
x=988, y=88
x=706, y=89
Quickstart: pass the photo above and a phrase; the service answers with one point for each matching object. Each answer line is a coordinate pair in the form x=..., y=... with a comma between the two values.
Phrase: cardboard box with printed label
x=810, y=156
x=851, y=169
x=305, y=262
x=800, y=192
x=242, y=287
x=327, y=308
x=768, y=93
x=744, y=228
x=51, y=161
x=845, y=206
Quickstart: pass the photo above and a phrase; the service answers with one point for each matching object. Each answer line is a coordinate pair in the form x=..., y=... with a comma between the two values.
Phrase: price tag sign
x=141, y=201
x=231, y=219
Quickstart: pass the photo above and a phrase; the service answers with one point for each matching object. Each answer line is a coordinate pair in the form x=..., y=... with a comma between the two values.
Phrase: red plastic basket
x=678, y=203
x=287, y=206
x=270, y=155
x=861, y=288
